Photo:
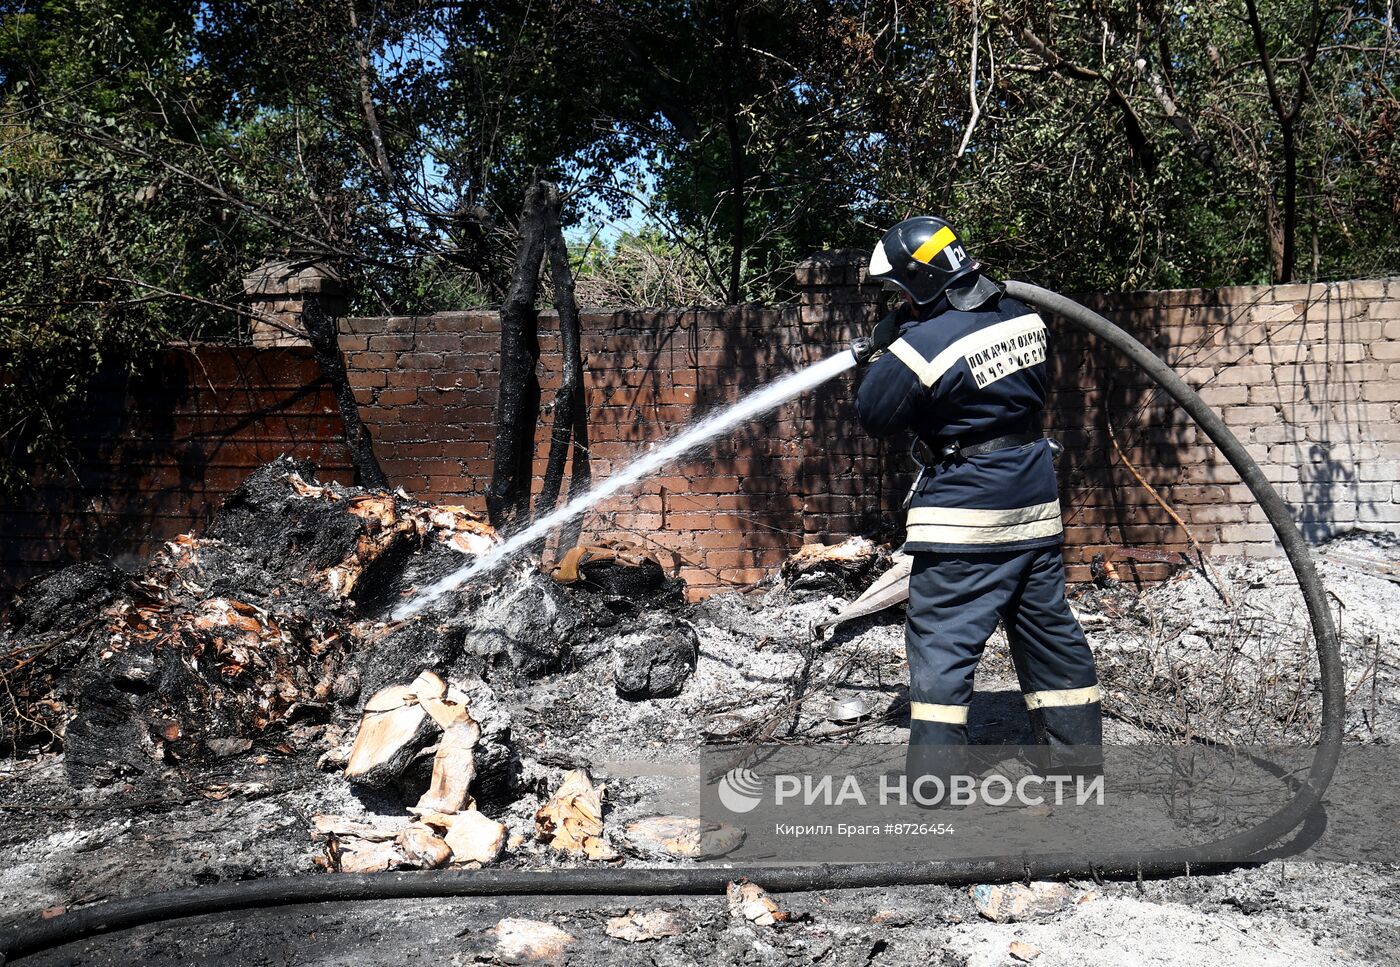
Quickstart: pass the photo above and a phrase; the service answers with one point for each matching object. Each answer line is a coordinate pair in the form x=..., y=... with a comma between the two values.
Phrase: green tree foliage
x=1136, y=145
x=152, y=151
x=1114, y=143
x=95, y=245
x=647, y=268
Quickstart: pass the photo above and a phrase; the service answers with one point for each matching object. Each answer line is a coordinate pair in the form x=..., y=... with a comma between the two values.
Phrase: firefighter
x=961, y=367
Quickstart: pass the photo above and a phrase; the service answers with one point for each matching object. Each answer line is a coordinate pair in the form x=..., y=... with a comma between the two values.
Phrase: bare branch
x=381, y=154
x=972, y=80
x=1183, y=125
x=1132, y=125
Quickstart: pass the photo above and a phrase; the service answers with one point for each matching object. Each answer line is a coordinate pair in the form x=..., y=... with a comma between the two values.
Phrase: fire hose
x=1222, y=854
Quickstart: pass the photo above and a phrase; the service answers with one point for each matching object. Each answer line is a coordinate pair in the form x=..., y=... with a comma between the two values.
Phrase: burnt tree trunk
x=323, y=334
x=517, y=402
x=570, y=412
x=580, y=473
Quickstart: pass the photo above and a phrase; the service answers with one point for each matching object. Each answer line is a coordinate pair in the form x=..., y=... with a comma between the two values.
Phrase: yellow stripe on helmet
x=941, y=239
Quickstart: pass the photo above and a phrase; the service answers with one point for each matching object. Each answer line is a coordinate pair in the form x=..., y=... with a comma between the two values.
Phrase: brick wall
x=155, y=453
x=427, y=386
x=1307, y=376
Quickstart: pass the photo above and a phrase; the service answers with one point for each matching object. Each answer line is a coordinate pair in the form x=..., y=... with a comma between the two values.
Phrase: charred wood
x=323, y=334
x=517, y=403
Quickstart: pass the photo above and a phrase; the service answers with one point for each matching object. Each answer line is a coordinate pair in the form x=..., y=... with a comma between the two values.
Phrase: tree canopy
x=153, y=151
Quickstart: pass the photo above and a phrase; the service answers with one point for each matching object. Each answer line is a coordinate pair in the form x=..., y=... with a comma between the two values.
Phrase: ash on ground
x=182, y=726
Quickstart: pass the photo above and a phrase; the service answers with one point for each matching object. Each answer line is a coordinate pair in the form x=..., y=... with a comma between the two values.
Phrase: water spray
x=754, y=405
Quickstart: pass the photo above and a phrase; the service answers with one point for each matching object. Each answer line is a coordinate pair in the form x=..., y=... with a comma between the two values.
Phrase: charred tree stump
x=570, y=412
x=580, y=473
x=323, y=334
x=517, y=403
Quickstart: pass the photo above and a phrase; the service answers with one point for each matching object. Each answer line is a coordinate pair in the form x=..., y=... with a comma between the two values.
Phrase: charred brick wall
x=154, y=454
x=1308, y=376
x=427, y=386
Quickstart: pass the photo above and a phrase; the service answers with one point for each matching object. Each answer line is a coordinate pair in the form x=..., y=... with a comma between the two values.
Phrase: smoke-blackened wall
x=1307, y=375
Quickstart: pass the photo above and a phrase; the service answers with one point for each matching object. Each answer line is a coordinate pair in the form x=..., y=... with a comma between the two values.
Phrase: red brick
x=409, y=377
x=369, y=378
x=1078, y=574
x=467, y=451
x=743, y=575
x=371, y=360
x=391, y=343
x=720, y=539
x=715, y=560
x=439, y=342
x=394, y=396
x=714, y=484
x=699, y=576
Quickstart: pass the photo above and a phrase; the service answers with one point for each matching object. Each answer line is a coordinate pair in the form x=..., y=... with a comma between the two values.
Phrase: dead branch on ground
x=1176, y=518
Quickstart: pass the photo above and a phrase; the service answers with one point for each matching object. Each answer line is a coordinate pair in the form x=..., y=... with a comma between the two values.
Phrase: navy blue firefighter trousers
x=955, y=602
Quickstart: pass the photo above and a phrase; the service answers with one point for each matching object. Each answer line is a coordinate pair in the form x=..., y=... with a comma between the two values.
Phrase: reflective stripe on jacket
x=957, y=374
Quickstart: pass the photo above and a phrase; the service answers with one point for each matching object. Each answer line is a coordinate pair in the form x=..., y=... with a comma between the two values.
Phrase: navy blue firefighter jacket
x=967, y=375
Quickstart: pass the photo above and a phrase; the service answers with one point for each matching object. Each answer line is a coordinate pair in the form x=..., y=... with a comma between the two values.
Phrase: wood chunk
x=428, y=686
x=833, y=568
x=477, y=545
x=637, y=927
x=474, y=838
x=749, y=901
x=684, y=837
x=424, y=847
x=303, y=489
x=454, y=763
x=1024, y=952
x=393, y=728
x=378, y=510
x=439, y=822
x=572, y=820
x=1010, y=902
x=850, y=551
x=577, y=559
x=520, y=941
x=374, y=829
x=596, y=848
x=382, y=526
x=363, y=856
x=457, y=527
x=447, y=704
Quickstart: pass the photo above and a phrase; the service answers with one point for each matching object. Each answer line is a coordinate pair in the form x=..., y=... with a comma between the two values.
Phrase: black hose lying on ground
x=1210, y=857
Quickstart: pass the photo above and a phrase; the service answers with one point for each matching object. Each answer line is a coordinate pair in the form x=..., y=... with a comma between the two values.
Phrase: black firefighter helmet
x=923, y=256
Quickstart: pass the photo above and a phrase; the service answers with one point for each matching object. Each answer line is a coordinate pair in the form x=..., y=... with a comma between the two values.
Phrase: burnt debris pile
x=845, y=569
x=259, y=633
